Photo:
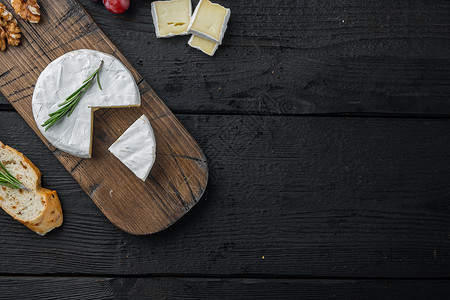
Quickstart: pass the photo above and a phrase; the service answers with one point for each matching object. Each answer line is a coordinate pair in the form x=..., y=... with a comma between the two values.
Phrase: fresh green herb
x=6, y=179
x=68, y=106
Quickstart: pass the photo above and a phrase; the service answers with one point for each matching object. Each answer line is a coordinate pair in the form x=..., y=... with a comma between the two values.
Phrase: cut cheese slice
x=204, y=45
x=171, y=17
x=209, y=21
x=65, y=75
x=136, y=148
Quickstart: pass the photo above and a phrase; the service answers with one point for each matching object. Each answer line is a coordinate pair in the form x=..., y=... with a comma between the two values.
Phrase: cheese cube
x=209, y=21
x=171, y=17
x=204, y=45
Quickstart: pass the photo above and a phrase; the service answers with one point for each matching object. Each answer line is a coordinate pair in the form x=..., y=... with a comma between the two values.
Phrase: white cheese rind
x=156, y=19
x=204, y=34
x=191, y=43
x=65, y=75
x=136, y=148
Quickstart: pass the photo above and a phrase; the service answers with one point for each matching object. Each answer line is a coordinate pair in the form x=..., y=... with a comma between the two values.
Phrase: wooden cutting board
x=180, y=174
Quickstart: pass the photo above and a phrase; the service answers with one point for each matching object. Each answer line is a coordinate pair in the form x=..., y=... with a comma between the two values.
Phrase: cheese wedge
x=136, y=148
x=204, y=45
x=65, y=75
x=209, y=21
x=171, y=17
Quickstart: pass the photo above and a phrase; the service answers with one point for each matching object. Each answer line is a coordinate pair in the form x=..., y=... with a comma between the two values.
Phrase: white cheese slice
x=204, y=45
x=209, y=21
x=171, y=17
x=136, y=148
x=65, y=75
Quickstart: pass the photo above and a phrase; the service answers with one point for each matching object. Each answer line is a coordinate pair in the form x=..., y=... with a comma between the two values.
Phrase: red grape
x=116, y=6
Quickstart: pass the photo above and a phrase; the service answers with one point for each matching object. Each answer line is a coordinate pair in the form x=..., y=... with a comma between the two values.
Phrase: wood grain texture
x=297, y=196
x=179, y=176
x=298, y=57
x=217, y=288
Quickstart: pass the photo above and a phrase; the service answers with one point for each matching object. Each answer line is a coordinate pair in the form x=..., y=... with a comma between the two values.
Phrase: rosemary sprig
x=6, y=179
x=68, y=106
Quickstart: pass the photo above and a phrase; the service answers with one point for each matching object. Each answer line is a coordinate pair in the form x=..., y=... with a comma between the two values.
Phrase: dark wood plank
x=299, y=57
x=217, y=288
x=179, y=177
x=288, y=196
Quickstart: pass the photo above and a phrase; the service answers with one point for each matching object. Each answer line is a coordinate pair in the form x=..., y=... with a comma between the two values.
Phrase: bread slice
x=39, y=209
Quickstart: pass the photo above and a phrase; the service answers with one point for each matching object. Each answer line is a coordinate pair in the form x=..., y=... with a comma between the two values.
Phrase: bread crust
x=51, y=216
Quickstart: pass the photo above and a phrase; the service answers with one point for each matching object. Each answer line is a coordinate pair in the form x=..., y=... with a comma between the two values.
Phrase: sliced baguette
x=39, y=209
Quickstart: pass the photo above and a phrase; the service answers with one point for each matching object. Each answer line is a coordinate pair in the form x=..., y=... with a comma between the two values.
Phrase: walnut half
x=5, y=15
x=9, y=29
x=13, y=33
x=2, y=39
x=27, y=9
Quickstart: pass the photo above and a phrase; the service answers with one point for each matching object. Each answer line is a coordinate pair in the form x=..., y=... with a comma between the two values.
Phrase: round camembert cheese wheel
x=136, y=148
x=65, y=75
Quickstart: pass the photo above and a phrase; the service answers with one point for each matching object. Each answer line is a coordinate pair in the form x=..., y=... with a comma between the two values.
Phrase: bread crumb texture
x=39, y=209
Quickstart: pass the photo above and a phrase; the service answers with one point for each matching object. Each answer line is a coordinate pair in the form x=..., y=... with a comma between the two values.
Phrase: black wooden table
x=326, y=126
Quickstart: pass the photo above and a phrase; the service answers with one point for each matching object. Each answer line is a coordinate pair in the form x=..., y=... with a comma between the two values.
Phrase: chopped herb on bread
x=39, y=209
